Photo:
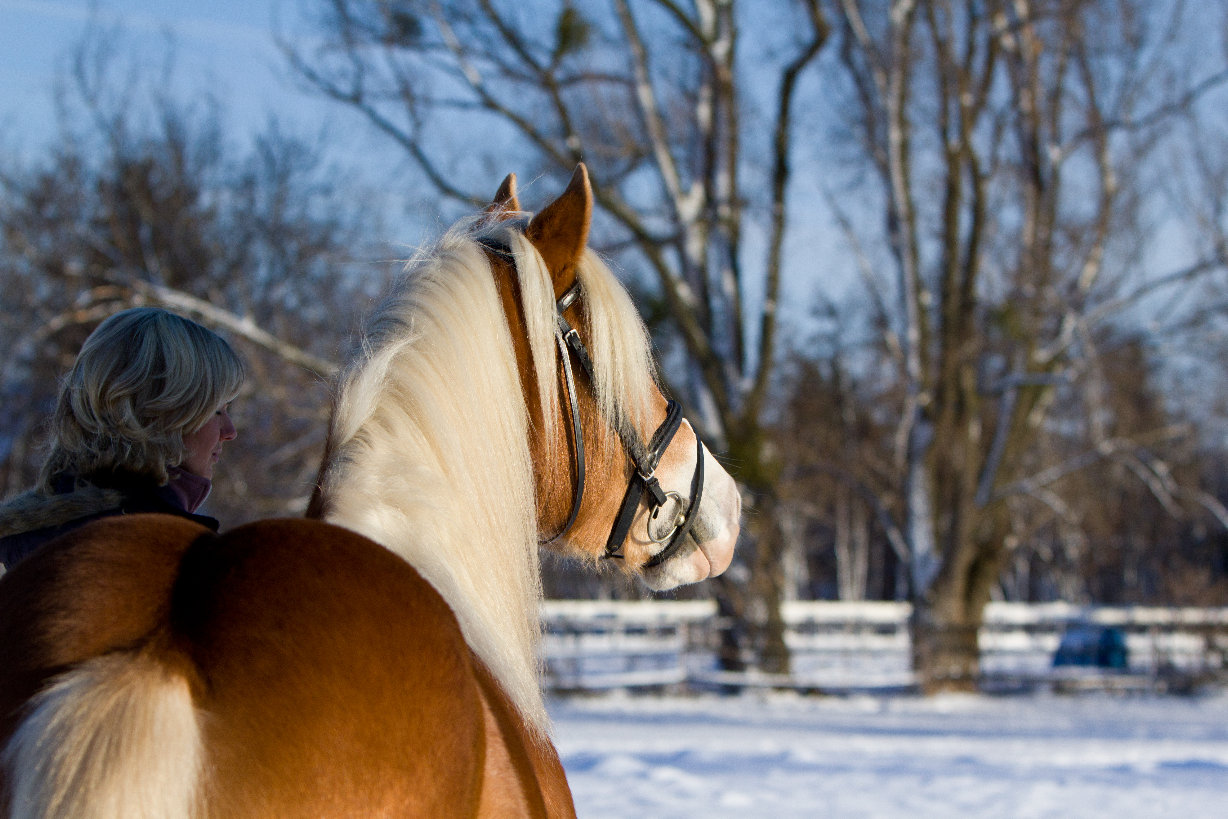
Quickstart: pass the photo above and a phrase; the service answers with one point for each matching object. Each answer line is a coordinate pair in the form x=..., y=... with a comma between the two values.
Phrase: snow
x=782, y=755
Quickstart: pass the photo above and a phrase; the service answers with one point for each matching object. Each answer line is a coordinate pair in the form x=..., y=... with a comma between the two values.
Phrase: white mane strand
x=429, y=439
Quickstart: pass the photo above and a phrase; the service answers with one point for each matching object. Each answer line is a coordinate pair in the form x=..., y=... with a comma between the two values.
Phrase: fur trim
x=33, y=510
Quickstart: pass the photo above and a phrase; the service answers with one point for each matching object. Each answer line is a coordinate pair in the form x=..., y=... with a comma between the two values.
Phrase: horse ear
x=505, y=202
x=560, y=231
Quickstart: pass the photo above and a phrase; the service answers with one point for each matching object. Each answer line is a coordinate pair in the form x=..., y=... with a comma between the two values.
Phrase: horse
x=377, y=657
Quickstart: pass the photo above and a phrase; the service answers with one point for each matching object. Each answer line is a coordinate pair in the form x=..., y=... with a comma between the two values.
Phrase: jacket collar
x=188, y=489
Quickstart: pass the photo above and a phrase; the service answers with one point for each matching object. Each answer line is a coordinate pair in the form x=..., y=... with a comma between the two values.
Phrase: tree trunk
x=947, y=619
x=730, y=624
x=945, y=650
x=767, y=624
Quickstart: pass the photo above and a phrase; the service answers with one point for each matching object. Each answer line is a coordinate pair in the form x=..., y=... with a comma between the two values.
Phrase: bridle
x=667, y=511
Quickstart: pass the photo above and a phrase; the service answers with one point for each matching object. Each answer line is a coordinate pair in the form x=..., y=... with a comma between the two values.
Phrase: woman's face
x=203, y=448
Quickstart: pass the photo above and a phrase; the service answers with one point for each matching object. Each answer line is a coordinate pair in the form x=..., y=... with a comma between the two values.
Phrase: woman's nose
x=228, y=431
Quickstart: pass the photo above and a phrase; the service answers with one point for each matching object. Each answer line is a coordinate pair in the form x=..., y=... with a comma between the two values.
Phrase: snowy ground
x=785, y=756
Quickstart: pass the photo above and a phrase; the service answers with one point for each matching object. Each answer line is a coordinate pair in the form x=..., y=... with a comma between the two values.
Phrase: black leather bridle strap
x=646, y=460
x=566, y=338
x=687, y=520
x=577, y=438
x=569, y=340
x=568, y=334
x=644, y=480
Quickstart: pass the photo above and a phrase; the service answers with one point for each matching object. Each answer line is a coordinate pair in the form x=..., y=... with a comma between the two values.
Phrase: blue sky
x=226, y=47
x=223, y=45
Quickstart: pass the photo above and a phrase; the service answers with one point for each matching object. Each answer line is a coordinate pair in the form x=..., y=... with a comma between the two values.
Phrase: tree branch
x=781, y=172
x=244, y=326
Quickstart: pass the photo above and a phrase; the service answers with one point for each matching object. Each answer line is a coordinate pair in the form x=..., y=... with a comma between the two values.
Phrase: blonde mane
x=429, y=444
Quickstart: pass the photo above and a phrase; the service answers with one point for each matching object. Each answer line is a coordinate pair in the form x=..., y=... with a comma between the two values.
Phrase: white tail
x=115, y=737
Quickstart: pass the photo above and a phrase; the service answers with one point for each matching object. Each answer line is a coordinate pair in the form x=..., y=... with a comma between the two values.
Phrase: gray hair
x=143, y=379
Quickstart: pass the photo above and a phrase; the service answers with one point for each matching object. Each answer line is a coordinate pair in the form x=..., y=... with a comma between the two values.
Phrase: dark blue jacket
x=33, y=518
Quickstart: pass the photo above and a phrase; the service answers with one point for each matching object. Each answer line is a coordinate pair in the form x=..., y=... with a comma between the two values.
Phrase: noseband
x=670, y=519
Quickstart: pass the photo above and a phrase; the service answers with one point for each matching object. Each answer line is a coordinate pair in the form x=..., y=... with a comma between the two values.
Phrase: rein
x=670, y=519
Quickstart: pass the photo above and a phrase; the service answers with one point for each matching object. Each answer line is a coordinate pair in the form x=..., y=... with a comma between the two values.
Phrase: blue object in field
x=1092, y=645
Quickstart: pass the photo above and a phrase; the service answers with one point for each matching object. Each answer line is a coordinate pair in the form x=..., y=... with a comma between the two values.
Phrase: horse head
x=621, y=475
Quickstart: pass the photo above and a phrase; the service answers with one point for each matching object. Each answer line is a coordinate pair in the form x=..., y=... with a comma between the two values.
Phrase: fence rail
x=842, y=647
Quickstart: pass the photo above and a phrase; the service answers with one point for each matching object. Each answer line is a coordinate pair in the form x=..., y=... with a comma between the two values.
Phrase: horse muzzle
x=708, y=547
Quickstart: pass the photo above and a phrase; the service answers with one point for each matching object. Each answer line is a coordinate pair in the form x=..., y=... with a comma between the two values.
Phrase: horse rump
x=151, y=668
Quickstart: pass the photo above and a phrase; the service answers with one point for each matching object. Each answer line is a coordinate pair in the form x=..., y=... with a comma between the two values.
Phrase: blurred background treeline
x=943, y=282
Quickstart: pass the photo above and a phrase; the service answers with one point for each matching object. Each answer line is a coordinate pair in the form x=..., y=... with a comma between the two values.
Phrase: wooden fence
x=848, y=647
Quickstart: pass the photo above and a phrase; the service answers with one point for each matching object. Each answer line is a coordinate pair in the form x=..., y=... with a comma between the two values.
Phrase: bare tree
x=1008, y=140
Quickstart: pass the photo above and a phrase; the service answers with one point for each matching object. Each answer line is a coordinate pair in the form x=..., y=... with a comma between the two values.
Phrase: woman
x=138, y=427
